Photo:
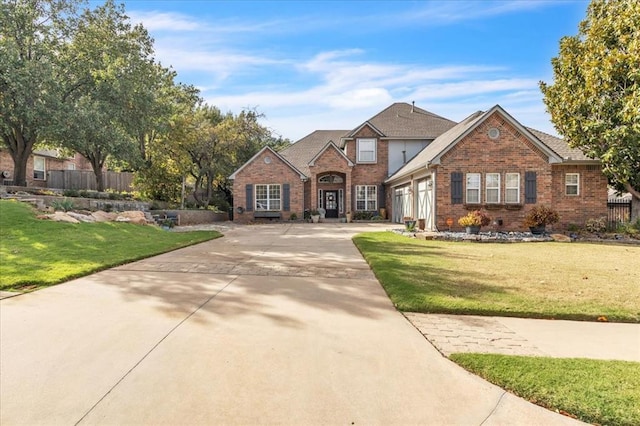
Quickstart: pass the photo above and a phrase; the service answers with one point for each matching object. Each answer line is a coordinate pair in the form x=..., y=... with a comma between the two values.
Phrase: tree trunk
x=20, y=148
x=97, y=162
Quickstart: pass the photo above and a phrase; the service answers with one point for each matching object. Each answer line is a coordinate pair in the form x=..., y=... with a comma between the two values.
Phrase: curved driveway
x=272, y=324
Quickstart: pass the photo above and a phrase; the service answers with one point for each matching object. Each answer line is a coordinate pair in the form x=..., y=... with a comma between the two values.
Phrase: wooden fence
x=86, y=180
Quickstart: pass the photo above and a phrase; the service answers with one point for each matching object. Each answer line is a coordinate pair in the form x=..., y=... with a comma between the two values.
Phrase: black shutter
x=456, y=187
x=381, y=200
x=285, y=197
x=249, y=189
x=354, y=201
x=530, y=188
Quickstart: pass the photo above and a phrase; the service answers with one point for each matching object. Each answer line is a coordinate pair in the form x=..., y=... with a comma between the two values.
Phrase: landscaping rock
x=81, y=217
x=62, y=217
x=561, y=238
x=101, y=216
x=134, y=216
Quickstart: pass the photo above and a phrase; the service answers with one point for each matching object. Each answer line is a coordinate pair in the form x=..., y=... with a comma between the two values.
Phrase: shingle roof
x=438, y=145
x=402, y=120
x=302, y=152
x=560, y=146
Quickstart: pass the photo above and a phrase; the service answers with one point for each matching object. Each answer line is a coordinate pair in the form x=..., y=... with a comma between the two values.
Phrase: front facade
x=407, y=163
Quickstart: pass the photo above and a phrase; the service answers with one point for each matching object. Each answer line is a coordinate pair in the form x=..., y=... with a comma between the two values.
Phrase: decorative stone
x=561, y=238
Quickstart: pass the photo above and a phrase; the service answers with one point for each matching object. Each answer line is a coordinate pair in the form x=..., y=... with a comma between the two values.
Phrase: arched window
x=330, y=179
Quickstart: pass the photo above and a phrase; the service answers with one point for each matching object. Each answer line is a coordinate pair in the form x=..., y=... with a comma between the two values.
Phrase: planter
x=315, y=218
x=421, y=224
x=348, y=217
x=383, y=213
x=472, y=229
x=537, y=230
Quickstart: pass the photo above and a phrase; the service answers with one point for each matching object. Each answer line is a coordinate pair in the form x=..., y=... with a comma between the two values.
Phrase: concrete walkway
x=273, y=324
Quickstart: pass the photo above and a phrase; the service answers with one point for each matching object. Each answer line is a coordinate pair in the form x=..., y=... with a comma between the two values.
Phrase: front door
x=331, y=203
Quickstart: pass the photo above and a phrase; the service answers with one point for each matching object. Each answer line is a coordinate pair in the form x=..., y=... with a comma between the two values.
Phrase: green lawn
x=36, y=253
x=599, y=392
x=536, y=280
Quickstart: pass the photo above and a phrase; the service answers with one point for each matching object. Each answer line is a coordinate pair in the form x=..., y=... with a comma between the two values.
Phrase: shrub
x=596, y=225
x=64, y=205
x=71, y=193
x=475, y=218
x=293, y=216
x=541, y=216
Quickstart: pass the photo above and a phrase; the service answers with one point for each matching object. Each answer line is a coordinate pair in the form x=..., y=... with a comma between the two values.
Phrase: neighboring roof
x=435, y=150
x=560, y=147
x=266, y=148
x=303, y=151
x=52, y=153
x=402, y=120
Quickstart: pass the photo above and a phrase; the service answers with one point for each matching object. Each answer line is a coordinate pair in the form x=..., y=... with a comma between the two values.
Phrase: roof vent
x=413, y=106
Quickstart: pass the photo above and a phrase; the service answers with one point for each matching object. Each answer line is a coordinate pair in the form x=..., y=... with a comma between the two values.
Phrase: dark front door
x=331, y=203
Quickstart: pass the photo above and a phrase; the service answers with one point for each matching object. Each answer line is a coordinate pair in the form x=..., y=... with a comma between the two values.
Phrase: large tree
x=594, y=101
x=31, y=34
x=109, y=92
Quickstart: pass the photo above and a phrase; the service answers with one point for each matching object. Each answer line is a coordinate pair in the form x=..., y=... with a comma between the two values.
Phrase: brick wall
x=590, y=203
x=369, y=174
x=6, y=164
x=259, y=172
x=512, y=152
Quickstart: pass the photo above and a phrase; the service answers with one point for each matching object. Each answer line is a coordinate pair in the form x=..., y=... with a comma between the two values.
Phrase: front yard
x=535, y=280
x=528, y=280
x=36, y=253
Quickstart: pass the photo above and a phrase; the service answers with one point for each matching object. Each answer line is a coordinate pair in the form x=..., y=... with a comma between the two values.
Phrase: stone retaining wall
x=194, y=217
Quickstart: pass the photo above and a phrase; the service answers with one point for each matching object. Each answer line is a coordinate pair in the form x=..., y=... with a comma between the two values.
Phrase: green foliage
x=475, y=218
x=596, y=225
x=594, y=101
x=64, y=205
x=40, y=253
x=541, y=216
x=293, y=216
x=501, y=279
x=595, y=391
x=71, y=193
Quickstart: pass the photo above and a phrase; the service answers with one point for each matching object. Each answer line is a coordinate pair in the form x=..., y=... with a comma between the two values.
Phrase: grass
x=529, y=280
x=594, y=391
x=36, y=253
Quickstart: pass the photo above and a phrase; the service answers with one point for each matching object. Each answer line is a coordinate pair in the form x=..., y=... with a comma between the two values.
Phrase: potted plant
x=409, y=224
x=539, y=217
x=343, y=219
x=167, y=224
x=315, y=216
x=348, y=217
x=472, y=221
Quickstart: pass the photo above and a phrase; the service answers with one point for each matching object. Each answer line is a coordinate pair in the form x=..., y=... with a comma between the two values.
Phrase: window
x=267, y=197
x=366, y=150
x=366, y=197
x=330, y=179
x=512, y=188
x=493, y=188
x=38, y=168
x=71, y=166
x=572, y=184
x=473, y=188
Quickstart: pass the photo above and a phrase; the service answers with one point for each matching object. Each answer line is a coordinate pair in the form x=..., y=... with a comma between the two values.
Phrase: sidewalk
x=520, y=336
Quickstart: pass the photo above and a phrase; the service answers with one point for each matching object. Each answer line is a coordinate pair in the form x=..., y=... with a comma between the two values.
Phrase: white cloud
x=165, y=21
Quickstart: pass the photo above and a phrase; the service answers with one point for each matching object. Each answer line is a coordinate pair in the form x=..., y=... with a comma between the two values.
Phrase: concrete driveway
x=272, y=324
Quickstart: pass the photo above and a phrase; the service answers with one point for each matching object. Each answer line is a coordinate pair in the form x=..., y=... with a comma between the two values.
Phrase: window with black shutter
x=456, y=188
x=530, y=188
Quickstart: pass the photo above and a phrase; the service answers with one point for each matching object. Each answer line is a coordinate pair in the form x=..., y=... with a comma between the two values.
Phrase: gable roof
x=266, y=148
x=330, y=144
x=442, y=144
x=303, y=151
x=404, y=121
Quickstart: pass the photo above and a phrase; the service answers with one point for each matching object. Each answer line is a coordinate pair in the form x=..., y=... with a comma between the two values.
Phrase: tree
x=594, y=101
x=31, y=33
x=111, y=79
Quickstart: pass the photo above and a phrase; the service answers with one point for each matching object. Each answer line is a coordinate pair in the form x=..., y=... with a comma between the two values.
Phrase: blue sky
x=312, y=65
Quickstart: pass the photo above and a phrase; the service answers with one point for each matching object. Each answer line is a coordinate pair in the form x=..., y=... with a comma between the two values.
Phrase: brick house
x=39, y=163
x=415, y=164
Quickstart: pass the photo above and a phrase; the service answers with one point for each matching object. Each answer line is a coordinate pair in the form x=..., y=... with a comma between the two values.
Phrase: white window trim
x=269, y=198
x=468, y=188
x=507, y=188
x=487, y=188
x=43, y=170
x=375, y=150
x=576, y=184
x=366, y=198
